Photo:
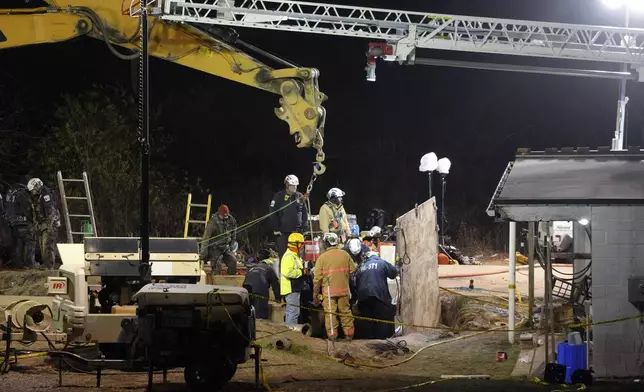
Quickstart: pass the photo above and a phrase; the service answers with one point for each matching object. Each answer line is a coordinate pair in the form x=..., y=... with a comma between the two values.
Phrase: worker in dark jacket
x=287, y=220
x=220, y=241
x=6, y=239
x=47, y=220
x=374, y=300
x=19, y=213
x=260, y=276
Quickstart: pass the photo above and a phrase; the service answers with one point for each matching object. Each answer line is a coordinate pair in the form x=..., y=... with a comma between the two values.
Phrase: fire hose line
x=411, y=325
x=503, y=271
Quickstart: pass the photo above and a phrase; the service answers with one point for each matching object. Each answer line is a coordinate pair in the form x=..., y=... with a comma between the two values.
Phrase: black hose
x=93, y=16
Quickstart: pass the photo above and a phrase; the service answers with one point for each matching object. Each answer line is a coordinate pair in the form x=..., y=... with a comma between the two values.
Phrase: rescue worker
x=291, y=219
x=20, y=217
x=355, y=248
x=6, y=239
x=292, y=276
x=333, y=217
x=374, y=300
x=331, y=286
x=47, y=220
x=260, y=276
x=220, y=241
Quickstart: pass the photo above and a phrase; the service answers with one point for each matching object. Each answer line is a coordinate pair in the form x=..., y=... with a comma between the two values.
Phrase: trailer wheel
x=209, y=374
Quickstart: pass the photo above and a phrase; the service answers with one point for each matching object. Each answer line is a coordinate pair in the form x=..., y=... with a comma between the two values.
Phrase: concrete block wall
x=618, y=253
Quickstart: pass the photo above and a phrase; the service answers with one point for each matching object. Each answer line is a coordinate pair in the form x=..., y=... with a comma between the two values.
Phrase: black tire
x=209, y=374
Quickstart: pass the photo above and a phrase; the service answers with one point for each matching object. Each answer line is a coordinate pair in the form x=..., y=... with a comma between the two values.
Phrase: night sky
x=375, y=132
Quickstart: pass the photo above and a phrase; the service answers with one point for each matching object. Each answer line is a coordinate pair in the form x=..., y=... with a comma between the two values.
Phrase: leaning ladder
x=90, y=207
x=189, y=207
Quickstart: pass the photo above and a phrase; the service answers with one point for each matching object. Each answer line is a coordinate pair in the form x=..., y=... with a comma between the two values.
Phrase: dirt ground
x=310, y=365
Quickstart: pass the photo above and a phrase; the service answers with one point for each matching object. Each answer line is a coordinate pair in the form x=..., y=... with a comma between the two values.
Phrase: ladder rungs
x=72, y=180
x=199, y=205
x=79, y=216
x=197, y=221
x=75, y=198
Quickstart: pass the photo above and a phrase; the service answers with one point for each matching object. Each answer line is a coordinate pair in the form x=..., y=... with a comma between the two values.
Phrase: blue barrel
x=573, y=357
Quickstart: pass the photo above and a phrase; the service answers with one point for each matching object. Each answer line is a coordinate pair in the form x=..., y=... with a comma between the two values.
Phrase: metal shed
x=606, y=189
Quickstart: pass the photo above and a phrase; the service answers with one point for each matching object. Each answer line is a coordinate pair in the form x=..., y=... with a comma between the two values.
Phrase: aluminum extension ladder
x=66, y=211
x=189, y=206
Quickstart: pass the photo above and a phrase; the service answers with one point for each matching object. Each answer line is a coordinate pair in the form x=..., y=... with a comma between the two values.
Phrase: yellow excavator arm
x=300, y=102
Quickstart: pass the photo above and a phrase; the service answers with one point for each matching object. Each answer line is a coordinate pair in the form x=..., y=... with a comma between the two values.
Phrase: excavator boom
x=184, y=44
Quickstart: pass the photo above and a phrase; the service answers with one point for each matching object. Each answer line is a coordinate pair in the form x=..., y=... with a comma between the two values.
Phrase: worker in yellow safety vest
x=331, y=287
x=292, y=277
x=333, y=217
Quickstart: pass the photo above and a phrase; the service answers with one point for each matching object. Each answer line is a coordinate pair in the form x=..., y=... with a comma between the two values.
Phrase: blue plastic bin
x=573, y=357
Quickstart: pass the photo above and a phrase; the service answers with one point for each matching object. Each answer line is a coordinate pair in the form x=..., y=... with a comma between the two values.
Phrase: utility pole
x=144, y=145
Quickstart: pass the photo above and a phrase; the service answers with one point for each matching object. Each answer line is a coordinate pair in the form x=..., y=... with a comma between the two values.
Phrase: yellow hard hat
x=295, y=238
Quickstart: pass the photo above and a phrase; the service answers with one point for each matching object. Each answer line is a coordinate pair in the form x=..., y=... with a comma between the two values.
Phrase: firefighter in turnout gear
x=291, y=219
x=19, y=213
x=333, y=217
x=47, y=220
x=292, y=276
x=331, y=282
x=259, y=278
x=220, y=241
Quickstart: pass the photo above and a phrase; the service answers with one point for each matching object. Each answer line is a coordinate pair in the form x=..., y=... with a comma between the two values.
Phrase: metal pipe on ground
x=304, y=329
x=281, y=343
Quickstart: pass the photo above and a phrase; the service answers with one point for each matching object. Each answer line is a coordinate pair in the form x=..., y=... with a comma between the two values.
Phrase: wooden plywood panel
x=420, y=304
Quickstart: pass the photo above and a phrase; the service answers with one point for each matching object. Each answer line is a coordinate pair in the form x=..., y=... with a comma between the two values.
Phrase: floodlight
x=443, y=166
x=428, y=163
x=583, y=221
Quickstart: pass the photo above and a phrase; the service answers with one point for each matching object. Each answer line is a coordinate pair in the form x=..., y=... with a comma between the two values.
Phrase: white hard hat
x=34, y=184
x=375, y=231
x=331, y=239
x=334, y=192
x=355, y=246
x=291, y=179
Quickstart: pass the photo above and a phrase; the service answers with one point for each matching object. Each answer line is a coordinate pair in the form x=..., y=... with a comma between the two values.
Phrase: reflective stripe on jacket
x=333, y=219
x=332, y=271
x=291, y=274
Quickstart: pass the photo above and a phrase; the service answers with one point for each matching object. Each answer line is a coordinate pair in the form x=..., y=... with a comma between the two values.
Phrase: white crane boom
x=405, y=31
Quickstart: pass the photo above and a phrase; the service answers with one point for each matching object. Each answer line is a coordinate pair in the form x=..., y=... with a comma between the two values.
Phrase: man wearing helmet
x=331, y=282
x=333, y=217
x=288, y=213
x=292, y=277
x=259, y=278
x=47, y=220
x=19, y=212
x=220, y=240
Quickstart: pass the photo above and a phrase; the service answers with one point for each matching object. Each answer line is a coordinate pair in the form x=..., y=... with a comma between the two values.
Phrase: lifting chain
x=318, y=167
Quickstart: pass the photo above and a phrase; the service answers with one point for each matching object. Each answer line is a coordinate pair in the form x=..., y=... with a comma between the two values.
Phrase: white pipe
x=512, y=275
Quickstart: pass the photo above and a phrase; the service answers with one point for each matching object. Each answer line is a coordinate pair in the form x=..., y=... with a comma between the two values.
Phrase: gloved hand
x=277, y=233
x=305, y=272
x=317, y=299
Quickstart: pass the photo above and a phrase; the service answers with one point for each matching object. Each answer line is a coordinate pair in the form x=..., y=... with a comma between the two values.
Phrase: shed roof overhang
x=564, y=184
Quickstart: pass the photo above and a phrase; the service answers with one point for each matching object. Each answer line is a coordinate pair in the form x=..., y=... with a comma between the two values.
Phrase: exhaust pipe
x=305, y=329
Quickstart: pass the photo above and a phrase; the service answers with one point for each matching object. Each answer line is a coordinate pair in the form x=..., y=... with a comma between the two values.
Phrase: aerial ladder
x=404, y=31
x=400, y=33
